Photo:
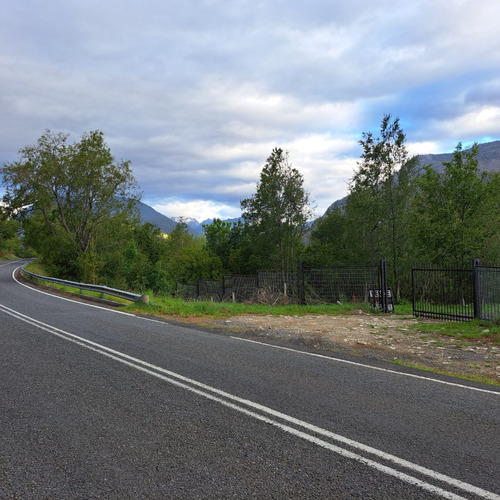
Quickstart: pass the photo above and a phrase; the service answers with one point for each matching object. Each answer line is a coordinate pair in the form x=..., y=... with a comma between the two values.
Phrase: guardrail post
x=144, y=299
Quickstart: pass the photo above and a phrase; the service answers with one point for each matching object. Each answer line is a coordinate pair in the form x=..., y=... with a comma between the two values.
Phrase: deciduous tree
x=456, y=211
x=74, y=188
x=277, y=213
x=381, y=189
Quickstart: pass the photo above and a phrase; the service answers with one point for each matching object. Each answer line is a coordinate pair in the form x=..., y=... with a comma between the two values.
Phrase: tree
x=456, y=212
x=328, y=243
x=277, y=213
x=381, y=189
x=73, y=187
x=491, y=250
x=9, y=239
x=218, y=240
x=186, y=259
x=227, y=240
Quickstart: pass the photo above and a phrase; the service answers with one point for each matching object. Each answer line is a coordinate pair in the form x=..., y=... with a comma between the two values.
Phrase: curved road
x=100, y=404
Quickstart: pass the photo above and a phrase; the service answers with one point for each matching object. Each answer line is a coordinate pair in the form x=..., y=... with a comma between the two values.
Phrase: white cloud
x=198, y=93
x=197, y=209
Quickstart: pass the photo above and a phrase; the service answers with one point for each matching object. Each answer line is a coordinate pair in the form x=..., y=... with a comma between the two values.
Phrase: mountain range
x=166, y=224
x=488, y=160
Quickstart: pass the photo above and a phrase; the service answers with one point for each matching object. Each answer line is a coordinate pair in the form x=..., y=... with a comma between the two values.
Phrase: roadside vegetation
x=473, y=378
x=170, y=306
x=475, y=330
x=73, y=206
x=177, y=308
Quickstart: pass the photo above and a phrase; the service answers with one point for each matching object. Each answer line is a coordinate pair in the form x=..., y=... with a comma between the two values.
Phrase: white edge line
x=387, y=370
x=135, y=363
x=331, y=358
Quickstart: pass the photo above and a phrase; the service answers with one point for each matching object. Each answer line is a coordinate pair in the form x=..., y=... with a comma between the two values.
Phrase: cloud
x=197, y=93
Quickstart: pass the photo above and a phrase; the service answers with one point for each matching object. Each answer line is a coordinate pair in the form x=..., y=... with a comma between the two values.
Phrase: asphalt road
x=95, y=403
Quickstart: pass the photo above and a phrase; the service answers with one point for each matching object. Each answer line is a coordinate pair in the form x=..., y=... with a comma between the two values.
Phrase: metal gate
x=457, y=294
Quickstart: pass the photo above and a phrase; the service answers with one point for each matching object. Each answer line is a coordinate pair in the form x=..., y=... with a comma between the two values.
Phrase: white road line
x=8, y=262
x=331, y=358
x=216, y=395
x=354, y=363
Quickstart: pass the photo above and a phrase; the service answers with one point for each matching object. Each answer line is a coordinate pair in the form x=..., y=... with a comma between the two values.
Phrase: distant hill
x=488, y=158
x=197, y=227
x=193, y=225
x=148, y=214
x=488, y=161
x=166, y=224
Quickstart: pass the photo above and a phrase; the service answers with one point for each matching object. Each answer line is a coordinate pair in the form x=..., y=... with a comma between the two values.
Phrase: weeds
x=479, y=330
x=473, y=378
x=170, y=306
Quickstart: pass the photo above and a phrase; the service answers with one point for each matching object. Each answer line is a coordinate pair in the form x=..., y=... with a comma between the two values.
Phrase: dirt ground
x=387, y=337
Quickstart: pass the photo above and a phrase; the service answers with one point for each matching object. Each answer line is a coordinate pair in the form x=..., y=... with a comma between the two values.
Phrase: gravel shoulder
x=386, y=337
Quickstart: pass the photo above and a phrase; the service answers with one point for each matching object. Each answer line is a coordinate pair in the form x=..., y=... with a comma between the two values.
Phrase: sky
x=197, y=93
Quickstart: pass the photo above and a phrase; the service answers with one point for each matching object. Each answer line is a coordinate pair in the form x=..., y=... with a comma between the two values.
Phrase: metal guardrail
x=134, y=297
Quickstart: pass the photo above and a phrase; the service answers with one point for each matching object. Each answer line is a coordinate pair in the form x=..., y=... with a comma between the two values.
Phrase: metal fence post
x=476, y=288
x=414, y=291
x=383, y=285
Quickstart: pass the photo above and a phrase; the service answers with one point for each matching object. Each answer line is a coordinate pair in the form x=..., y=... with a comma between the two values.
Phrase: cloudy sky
x=197, y=93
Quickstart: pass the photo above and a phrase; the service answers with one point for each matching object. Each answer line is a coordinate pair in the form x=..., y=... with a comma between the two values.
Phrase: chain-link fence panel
x=336, y=284
x=211, y=290
x=239, y=288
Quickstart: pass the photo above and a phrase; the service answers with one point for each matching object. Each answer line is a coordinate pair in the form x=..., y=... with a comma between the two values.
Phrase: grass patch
x=36, y=267
x=478, y=330
x=170, y=306
x=403, y=308
x=472, y=378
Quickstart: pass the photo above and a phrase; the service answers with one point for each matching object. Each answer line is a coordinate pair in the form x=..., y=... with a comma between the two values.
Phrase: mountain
x=193, y=225
x=488, y=158
x=166, y=224
x=148, y=214
x=196, y=227
x=488, y=161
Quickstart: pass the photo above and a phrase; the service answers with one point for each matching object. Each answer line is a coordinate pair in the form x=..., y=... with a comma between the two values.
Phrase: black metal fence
x=458, y=294
x=306, y=285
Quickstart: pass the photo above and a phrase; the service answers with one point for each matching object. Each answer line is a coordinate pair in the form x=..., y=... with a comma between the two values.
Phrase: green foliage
x=78, y=217
x=479, y=330
x=168, y=306
x=9, y=239
x=381, y=190
x=491, y=248
x=329, y=240
x=277, y=213
x=222, y=239
x=442, y=218
x=186, y=258
x=72, y=189
x=456, y=212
